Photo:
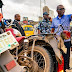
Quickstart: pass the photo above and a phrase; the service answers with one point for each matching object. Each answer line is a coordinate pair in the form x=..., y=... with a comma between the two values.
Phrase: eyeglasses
x=61, y=9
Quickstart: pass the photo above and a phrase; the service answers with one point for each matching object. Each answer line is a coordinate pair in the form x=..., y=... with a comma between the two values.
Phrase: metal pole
x=33, y=48
x=44, y=2
x=40, y=7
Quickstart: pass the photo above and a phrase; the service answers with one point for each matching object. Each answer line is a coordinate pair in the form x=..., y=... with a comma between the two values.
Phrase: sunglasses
x=61, y=9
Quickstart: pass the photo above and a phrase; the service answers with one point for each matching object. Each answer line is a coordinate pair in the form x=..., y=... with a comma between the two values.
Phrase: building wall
x=45, y=9
x=51, y=13
x=40, y=18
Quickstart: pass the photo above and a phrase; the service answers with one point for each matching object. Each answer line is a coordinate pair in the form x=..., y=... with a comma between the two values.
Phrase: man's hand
x=52, y=31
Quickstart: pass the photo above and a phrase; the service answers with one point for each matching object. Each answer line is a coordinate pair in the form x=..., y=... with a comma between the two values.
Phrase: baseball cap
x=45, y=13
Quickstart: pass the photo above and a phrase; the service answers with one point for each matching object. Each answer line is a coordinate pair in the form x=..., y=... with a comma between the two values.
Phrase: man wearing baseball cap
x=45, y=24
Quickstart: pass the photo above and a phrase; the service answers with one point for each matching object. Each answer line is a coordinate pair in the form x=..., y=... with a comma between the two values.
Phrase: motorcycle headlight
x=26, y=40
x=26, y=44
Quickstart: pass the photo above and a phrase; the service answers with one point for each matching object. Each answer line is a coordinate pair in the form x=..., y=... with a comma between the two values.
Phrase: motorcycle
x=43, y=52
x=39, y=53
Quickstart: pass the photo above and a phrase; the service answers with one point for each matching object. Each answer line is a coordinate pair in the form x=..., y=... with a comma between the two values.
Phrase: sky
x=31, y=8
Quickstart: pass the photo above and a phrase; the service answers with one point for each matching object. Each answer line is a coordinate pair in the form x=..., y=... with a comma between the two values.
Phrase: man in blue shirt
x=64, y=20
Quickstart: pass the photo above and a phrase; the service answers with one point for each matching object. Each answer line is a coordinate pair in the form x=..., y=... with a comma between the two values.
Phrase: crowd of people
x=47, y=23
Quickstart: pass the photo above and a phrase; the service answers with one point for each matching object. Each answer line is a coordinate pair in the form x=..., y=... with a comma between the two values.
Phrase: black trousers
x=67, y=55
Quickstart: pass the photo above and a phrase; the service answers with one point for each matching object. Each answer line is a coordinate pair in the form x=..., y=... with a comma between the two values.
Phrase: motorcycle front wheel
x=42, y=59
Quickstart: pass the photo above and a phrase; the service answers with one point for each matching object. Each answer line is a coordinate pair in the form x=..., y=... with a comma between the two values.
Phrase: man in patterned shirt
x=45, y=24
x=64, y=20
